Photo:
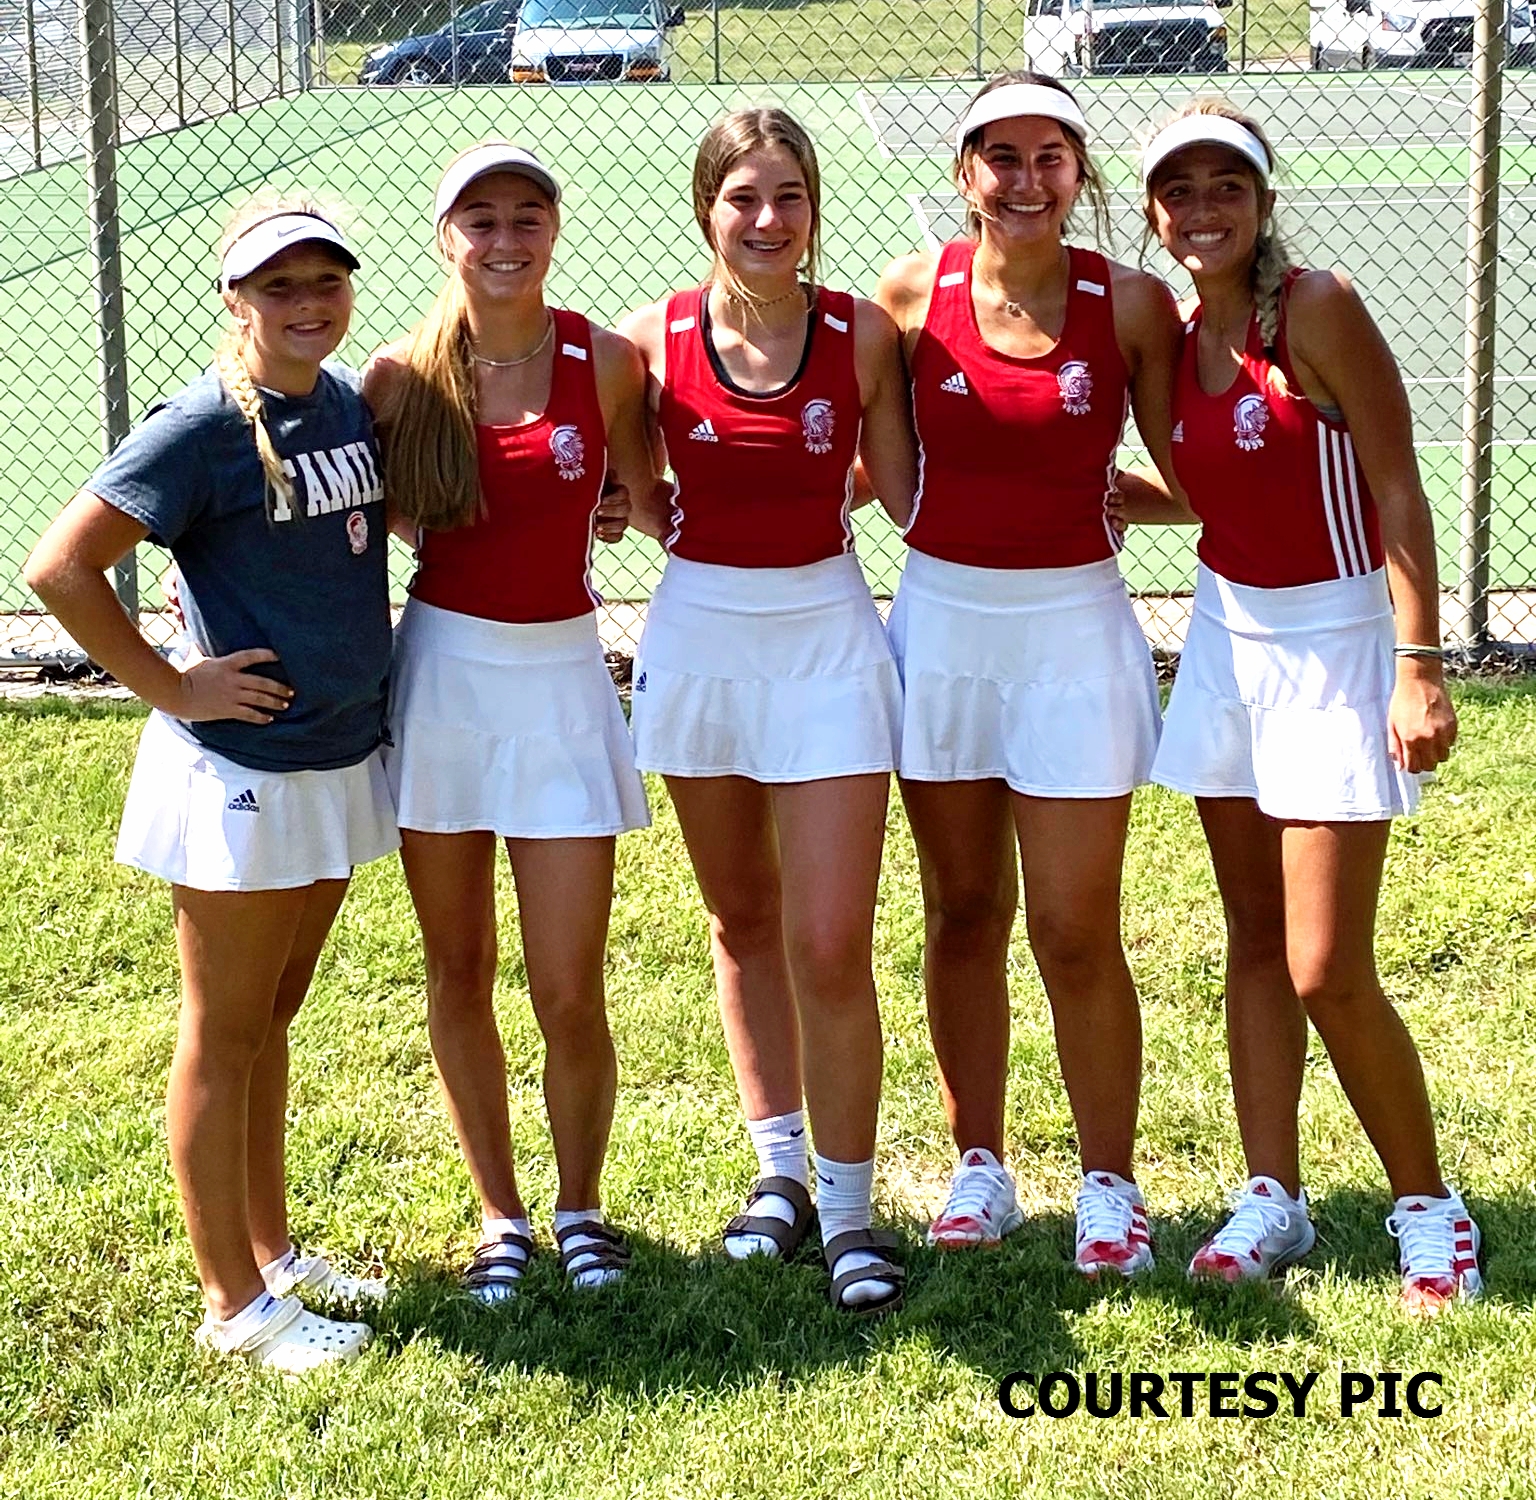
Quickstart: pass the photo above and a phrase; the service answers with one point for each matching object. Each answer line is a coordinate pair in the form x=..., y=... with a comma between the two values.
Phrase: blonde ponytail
x=427, y=426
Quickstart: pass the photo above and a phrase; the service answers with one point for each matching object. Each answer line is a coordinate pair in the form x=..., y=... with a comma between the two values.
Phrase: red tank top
x=1281, y=498
x=761, y=481
x=527, y=559
x=1017, y=455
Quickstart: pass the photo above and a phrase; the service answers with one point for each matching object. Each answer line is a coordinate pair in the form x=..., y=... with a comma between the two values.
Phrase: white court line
x=931, y=241
x=869, y=120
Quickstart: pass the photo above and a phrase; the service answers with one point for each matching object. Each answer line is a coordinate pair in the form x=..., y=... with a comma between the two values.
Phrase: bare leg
x=727, y=822
x=1266, y=1025
x=831, y=834
x=452, y=882
x=965, y=852
x=1332, y=880
x=234, y=946
x=564, y=893
x=268, y=1108
x=1072, y=853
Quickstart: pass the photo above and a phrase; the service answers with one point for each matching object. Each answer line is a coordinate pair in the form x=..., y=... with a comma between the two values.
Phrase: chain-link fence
x=129, y=127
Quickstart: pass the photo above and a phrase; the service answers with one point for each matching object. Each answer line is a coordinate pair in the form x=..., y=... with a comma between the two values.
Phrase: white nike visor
x=254, y=247
x=481, y=161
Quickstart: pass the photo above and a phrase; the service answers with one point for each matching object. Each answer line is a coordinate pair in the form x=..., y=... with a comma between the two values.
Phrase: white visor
x=494, y=156
x=255, y=246
x=1015, y=101
x=1205, y=130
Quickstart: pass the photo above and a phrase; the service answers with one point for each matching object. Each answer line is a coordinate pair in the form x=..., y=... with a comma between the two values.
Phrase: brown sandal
x=881, y=1270
x=610, y=1252
x=788, y=1237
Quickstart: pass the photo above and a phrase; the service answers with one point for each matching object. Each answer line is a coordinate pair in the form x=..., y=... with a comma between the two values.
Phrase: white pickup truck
x=1408, y=33
x=1065, y=37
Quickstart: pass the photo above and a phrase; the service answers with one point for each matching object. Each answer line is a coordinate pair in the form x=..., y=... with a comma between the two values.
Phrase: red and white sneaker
x=1268, y=1231
x=1111, y=1226
x=1437, y=1248
x=982, y=1206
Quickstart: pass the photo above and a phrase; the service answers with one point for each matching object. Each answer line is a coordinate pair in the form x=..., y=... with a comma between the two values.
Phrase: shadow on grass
x=703, y=1324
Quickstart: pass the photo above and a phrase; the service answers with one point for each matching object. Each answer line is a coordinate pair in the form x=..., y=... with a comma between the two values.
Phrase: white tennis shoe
x=1437, y=1245
x=280, y=1333
x=315, y=1278
x=982, y=1206
x=1268, y=1230
x=1112, y=1232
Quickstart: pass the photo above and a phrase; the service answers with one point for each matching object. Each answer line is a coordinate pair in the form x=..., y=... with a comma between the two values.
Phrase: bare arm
x=381, y=378
x=651, y=510
x=887, y=446
x=1341, y=359
x=1145, y=500
x=621, y=391
x=67, y=571
x=1148, y=331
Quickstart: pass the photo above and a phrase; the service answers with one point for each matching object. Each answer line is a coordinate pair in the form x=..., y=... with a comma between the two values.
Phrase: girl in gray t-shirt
x=258, y=785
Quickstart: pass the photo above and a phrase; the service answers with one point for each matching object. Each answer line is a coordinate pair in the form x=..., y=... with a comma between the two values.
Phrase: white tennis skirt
x=515, y=729
x=199, y=819
x=777, y=674
x=1038, y=676
x=1282, y=696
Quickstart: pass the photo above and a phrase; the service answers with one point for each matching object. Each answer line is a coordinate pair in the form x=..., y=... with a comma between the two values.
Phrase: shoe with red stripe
x=982, y=1206
x=1268, y=1231
x=1111, y=1226
x=1437, y=1247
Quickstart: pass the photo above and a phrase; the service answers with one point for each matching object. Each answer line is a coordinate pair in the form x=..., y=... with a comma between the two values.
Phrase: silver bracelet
x=1432, y=653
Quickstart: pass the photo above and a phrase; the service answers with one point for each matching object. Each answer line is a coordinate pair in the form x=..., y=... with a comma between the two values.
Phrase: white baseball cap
x=1205, y=130
x=1015, y=101
x=252, y=248
x=480, y=161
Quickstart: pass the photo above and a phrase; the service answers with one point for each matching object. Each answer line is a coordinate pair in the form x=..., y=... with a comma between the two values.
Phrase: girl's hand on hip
x=221, y=687
x=612, y=511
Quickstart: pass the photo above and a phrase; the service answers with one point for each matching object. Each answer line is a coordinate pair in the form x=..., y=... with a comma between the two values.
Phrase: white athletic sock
x=598, y=1275
x=274, y=1271
x=843, y=1191
x=507, y=1279
x=781, y=1152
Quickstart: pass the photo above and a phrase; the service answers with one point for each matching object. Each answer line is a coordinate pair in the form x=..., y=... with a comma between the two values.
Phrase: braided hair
x=230, y=357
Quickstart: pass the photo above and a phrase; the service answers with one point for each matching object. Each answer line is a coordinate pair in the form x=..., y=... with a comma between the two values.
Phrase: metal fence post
x=176, y=48
x=302, y=20
x=34, y=90
x=714, y=10
x=980, y=43
x=234, y=56
x=1482, y=295
x=100, y=90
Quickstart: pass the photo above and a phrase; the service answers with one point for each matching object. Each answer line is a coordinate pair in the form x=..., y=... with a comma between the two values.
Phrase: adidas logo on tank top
x=956, y=385
x=245, y=802
x=705, y=432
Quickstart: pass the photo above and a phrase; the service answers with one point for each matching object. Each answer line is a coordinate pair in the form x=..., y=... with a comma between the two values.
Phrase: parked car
x=475, y=47
x=592, y=41
x=1125, y=36
x=1408, y=33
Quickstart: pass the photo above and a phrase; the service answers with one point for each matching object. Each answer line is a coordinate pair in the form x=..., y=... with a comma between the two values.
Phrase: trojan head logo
x=1249, y=419
x=1076, y=382
x=357, y=532
x=569, y=450
x=816, y=418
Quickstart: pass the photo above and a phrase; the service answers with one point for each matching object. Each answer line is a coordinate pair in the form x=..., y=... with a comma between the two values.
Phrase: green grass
x=698, y=1378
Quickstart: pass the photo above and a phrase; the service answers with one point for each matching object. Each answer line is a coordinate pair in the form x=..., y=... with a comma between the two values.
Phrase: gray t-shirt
x=311, y=586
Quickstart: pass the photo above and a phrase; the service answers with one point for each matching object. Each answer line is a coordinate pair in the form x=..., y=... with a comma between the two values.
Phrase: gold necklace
x=522, y=359
x=758, y=304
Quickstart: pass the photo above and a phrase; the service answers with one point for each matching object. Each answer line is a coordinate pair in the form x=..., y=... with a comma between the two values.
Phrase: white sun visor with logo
x=1205, y=130
x=255, y=246
x=480, y=161
x=1014, y=101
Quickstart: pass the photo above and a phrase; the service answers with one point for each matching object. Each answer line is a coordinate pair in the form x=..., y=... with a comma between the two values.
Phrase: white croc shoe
x=982, y=1206
x=280, y=1333
x=1437, y=1245
x=1112, y=1232
x=314, y=1278
x=1268, y=1230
